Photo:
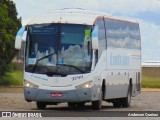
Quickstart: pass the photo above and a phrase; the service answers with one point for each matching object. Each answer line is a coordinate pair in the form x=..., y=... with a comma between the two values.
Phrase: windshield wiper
x=34, y=67
x=72, y=66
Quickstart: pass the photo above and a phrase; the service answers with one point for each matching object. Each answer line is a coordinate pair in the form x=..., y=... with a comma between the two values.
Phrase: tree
x=9, y=25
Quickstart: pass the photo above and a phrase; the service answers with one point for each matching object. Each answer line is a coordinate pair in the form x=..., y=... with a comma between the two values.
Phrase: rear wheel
x=127, y=101
x=41, y=105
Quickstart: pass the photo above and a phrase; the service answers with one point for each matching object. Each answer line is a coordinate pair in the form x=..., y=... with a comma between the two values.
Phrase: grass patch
x=15, y=79
x=12, y=79
x=150, y=82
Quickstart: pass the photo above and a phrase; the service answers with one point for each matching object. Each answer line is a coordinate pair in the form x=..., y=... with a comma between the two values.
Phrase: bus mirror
x=95, y=38
x=24, y=36
x=18, y=40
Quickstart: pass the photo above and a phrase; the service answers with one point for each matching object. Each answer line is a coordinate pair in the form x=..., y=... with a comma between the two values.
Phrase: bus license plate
x=56, y=94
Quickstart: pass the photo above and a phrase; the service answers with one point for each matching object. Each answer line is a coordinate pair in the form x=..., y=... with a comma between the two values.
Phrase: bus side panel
x=116, y=84
x=123, y=56
x=123, y=66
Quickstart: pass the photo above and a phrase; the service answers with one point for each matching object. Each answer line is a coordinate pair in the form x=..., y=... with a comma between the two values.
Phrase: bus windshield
x=60, y=49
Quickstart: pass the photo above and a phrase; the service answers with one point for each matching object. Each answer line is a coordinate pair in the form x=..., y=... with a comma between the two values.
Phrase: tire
x=41, y=105
x=97, y=105
x=127, y=101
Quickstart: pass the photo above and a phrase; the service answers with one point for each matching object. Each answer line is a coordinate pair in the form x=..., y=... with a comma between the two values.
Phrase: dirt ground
x=13, y=99
x=11, y=89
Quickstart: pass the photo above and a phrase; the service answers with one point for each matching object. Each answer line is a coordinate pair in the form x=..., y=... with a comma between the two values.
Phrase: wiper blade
x=72, y=66
x=34, y=67
x=45, y=57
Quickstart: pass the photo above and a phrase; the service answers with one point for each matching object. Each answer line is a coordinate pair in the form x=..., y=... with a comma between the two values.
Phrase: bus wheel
x=41, y=105
x=126, y=101
x=97, y=105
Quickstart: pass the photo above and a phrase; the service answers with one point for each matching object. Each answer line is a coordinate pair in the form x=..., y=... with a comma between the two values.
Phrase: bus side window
x=101, y=36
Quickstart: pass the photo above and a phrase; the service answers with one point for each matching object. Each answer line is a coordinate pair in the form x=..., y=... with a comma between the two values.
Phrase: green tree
x=9, y=25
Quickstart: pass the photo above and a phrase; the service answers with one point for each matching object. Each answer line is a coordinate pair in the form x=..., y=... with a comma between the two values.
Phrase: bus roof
x=72, y=16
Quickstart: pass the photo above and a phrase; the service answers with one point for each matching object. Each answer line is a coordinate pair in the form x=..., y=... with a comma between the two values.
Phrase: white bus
x=78, y=56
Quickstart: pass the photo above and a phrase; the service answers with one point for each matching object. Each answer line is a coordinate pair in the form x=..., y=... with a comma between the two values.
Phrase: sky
x=146, y=12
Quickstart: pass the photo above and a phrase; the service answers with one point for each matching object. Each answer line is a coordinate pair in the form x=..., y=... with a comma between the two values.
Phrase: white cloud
x=30, y=8
x=25, y=21
x=150, y=36
x=150, y=32
x=113, y=6
x=133, y=6
x=31, y=2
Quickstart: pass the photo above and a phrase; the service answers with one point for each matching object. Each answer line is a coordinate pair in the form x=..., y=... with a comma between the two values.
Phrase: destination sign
x=43, y=30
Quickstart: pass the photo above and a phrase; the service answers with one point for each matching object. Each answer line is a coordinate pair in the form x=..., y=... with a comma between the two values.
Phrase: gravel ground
x=13, y=99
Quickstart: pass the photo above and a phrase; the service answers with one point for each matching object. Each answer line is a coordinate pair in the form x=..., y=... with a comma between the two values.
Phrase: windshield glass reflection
x=71, y=45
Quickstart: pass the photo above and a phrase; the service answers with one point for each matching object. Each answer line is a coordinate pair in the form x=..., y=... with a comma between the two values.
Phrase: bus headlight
x=29, y=84
x=85, y=85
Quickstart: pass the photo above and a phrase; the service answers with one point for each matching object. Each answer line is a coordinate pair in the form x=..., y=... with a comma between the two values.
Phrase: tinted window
x=121, y=34
x=58, y=48
x=101, y=36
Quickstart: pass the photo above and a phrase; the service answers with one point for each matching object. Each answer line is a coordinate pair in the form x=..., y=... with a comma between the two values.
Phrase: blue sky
x=146, y=12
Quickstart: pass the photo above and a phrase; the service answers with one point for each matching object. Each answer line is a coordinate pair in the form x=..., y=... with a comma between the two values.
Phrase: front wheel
x=97, y=105
x=41, y=105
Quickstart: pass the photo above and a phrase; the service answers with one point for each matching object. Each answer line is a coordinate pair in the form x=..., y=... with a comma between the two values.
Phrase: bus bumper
x=41, y=95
